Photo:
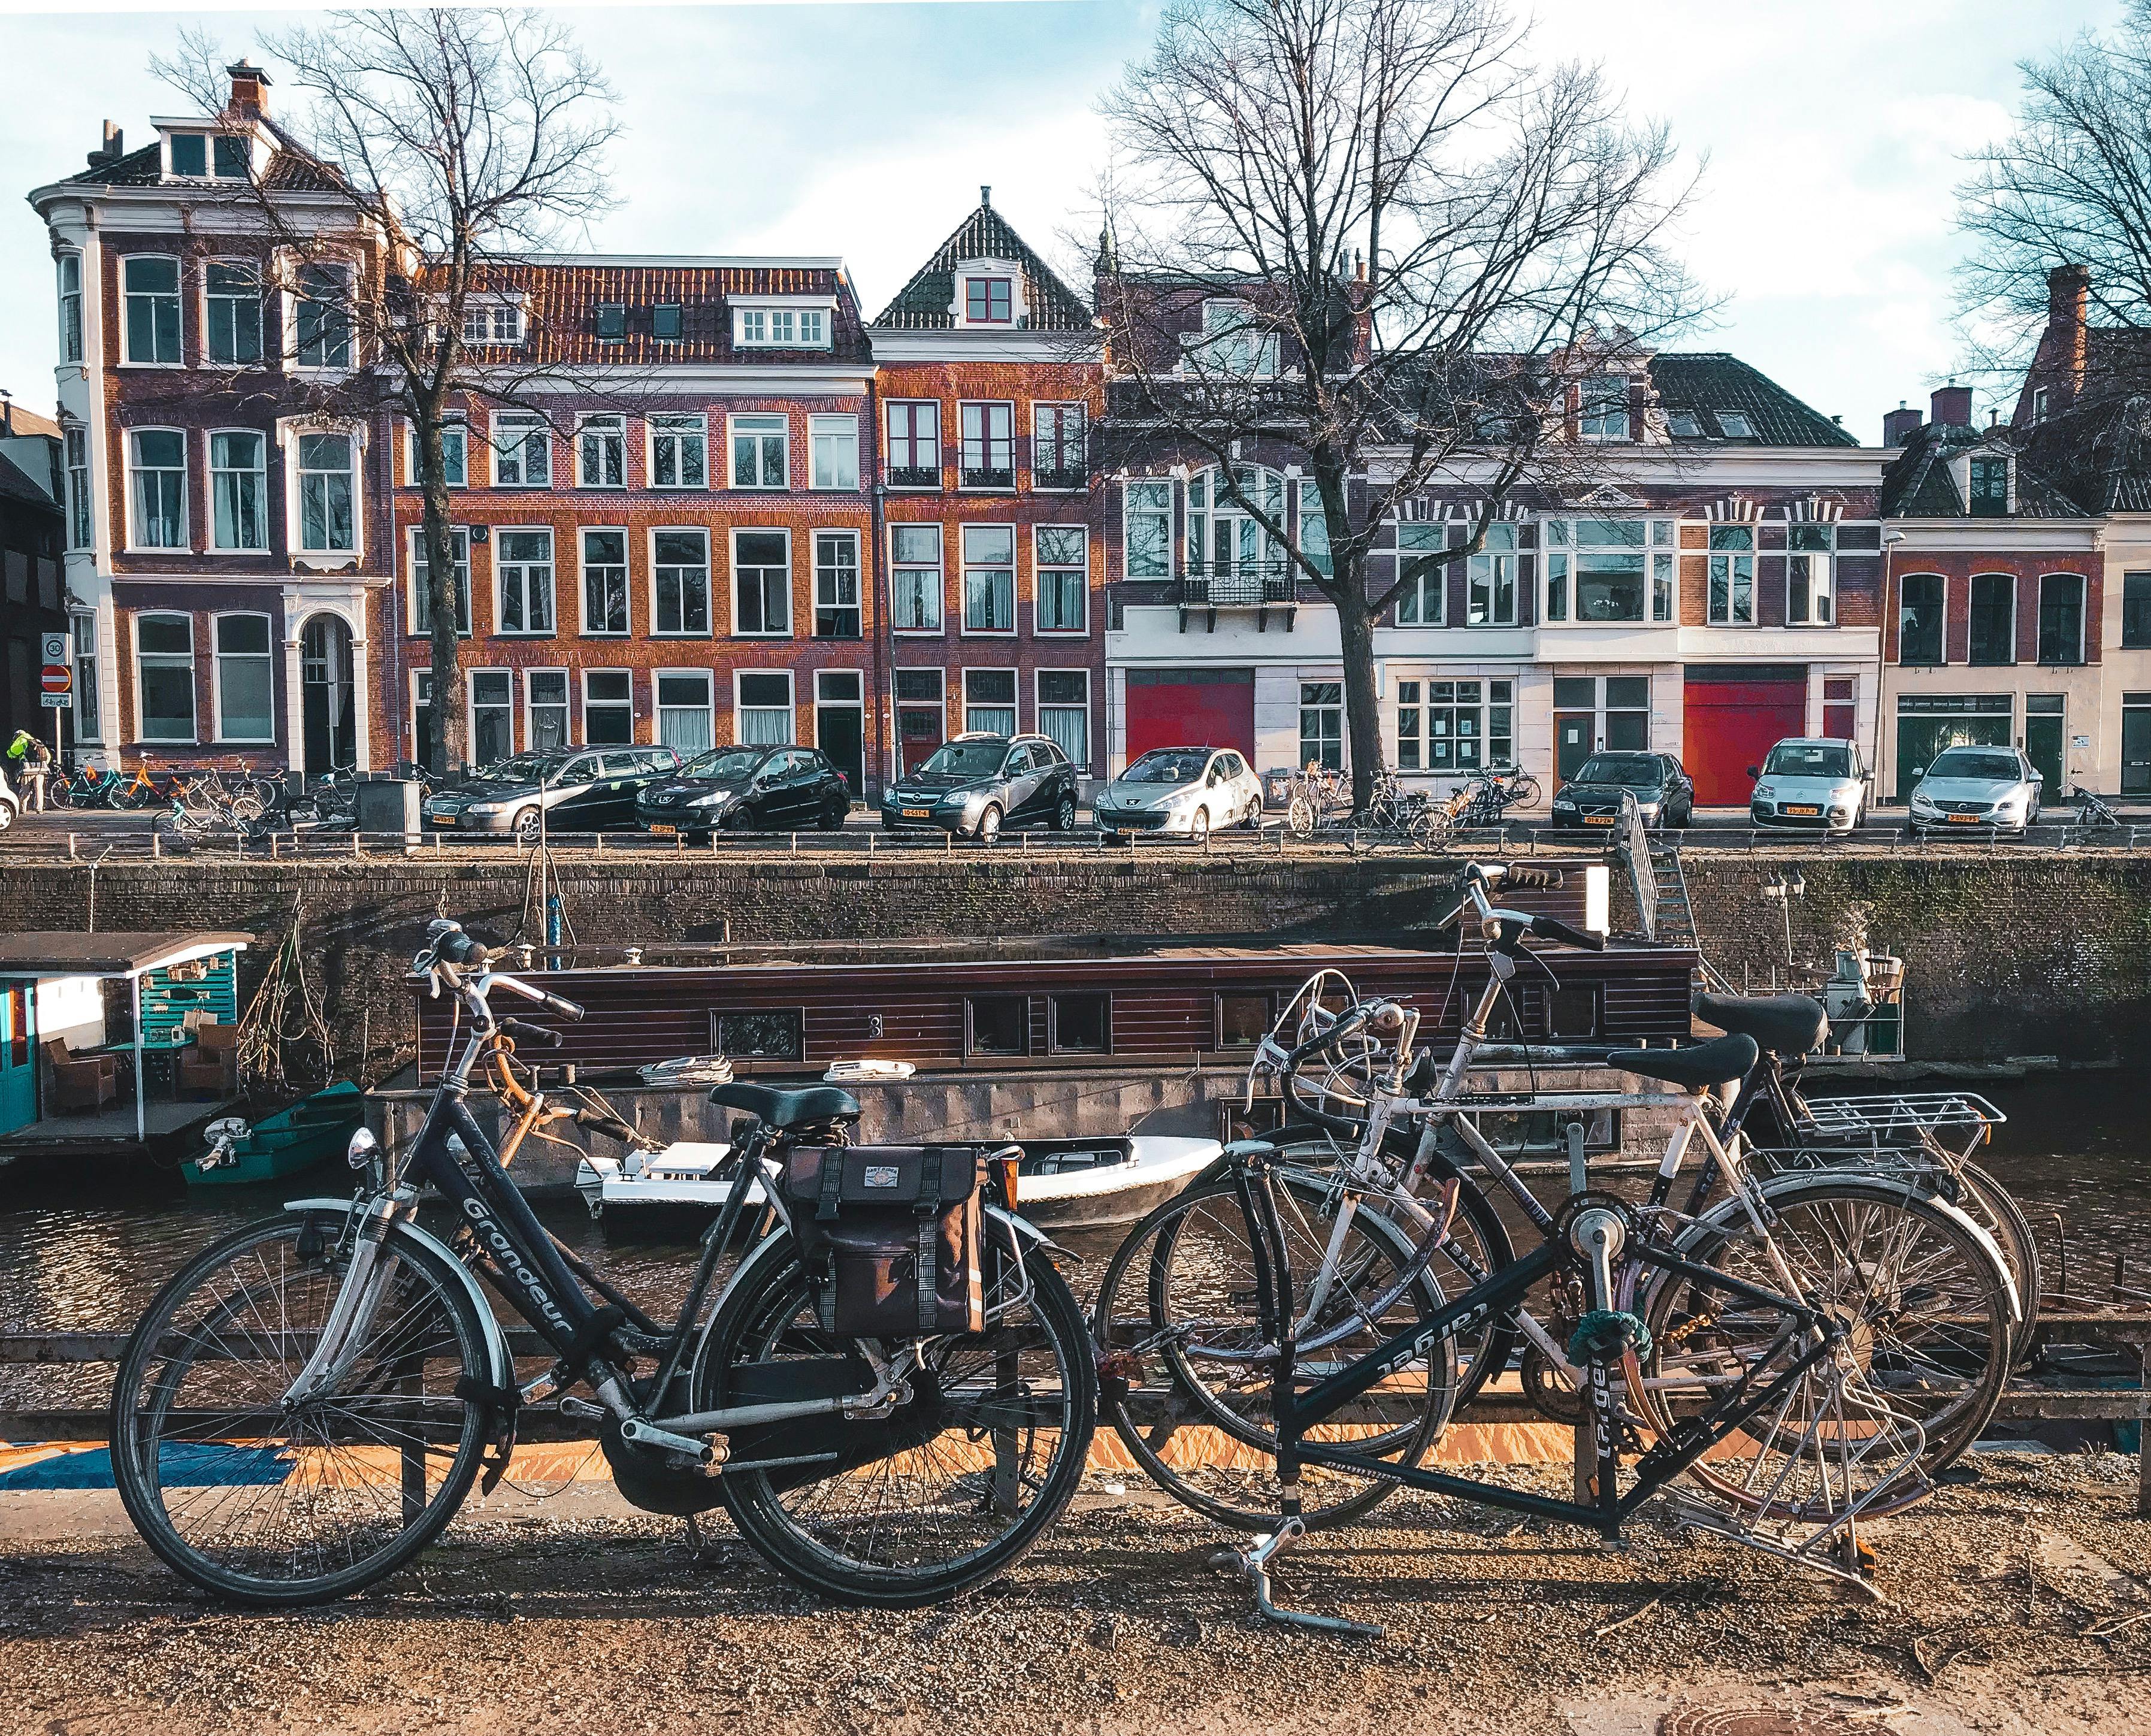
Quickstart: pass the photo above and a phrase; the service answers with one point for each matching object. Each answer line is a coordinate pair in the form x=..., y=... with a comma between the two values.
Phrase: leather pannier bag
x=889, y=1235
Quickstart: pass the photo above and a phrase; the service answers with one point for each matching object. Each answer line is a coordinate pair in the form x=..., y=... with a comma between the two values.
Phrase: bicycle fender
x=496, y=1340
x=1026, y=1231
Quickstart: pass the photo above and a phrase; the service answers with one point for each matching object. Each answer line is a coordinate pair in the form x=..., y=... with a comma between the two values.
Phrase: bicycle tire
x=1996, y=1212
x=768, y=1310
x=244, y=1445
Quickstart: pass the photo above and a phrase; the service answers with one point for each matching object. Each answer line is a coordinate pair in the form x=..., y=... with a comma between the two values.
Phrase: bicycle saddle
x=774, y=1108
x=1712, y=1063
x=1784, y=1025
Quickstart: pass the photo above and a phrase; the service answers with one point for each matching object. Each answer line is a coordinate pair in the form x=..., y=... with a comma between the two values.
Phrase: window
x=2038, y=404
x=421, y=720
x=1423, y=572
x=1682, y=425
x=1810, y=580
x=781, y=328
x=1735, y=424
x=685, y=709
x=914, y=445
x=679, y=452
x=1313, y=526
x=233, y=294
x=1920, y=618
x=2135, y=608
x=1455, y=726
x=492, y=715
x=89, y=715
x=323, y=317
x=1490, y=583
x=774, y=1035
x=238, y=485
x=601, y=452
x=1060, y=457
x=1079, y=1024
x=997, y=1024
x=915, y=578
x=680, y=566
x=1060, y=571
x=608, y=706
x=246, y=709
x=1322, y=724
x=1146, y=532
x=988, y=577
x=523, y=576
x=158, y=464
x=231, y=156
x=836, y=450
x=80, y=527
x=325, y=523
x=761, y=452
x=762, y=581
x=667, y=322
x=762, y=709
x=1602, y=408
x=422, y=611
x=1232, y=344
x=1064, y=712
x=988, y=459
x=152, y=295
x=544, y=709
x=522, y=452
x=2061, y=618
x=1628, y=712
x=605, y=582
x=164, y=664
x=989, y=701
x=919, y=716
x=1227, y=541
x=70, y=270
x=612, y=322
x=836, y=585
x=491, y=322
x=190, y=153
x=1990, y=488
x=988, y=300
x=455, y=455
x=1993, y=617
x=1732, y=575
x=1244, y=1019
x=1610, y=570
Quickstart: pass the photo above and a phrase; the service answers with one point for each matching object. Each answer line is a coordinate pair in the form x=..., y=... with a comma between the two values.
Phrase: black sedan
x=1592, y=797
x=746, y=789
x=974, y=785
x=575, y=789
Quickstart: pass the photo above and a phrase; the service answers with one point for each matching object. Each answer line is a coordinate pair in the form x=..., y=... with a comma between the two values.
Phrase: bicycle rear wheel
x=267, y=1503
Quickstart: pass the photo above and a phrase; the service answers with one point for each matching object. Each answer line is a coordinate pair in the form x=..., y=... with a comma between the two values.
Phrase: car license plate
x=1802, y=807
x=444, y=819
x=919, y=813
x=1598, y=819
x=659, y=830
x=1962, y=819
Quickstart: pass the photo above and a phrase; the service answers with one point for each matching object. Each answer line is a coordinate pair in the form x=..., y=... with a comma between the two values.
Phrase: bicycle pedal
x=582, y=1410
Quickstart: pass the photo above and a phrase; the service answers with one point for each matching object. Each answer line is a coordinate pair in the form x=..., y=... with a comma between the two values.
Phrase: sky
x=1829, y=134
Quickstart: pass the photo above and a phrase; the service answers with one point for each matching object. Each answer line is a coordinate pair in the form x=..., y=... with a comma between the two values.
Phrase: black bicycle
x=304, y=1407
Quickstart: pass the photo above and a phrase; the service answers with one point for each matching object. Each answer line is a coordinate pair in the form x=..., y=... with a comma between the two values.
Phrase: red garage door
x=1191, y=708
x=1733, y=717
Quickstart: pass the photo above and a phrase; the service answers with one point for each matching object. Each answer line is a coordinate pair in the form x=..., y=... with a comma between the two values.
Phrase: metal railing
x=1241, y=584
x=1060, y=465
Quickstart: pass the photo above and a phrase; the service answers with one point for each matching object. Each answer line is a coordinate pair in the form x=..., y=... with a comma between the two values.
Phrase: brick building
x=36, y=600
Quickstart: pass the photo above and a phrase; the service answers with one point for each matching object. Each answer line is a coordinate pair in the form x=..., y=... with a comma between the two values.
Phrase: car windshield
x=726, y=765
x=1808, y=759
x=1970, y=763
x=517, y=768
x=965, y=759
x=1166, y=765
x=1637, y=770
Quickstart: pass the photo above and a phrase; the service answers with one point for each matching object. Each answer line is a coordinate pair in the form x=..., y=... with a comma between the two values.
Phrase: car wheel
x=7, y=815
x=832, y=819
x=989, y=824
x=528, y=826
x=1064, y=816
x=1198, y=828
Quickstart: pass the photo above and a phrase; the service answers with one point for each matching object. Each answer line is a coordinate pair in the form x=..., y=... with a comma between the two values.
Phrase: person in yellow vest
x=32, y=762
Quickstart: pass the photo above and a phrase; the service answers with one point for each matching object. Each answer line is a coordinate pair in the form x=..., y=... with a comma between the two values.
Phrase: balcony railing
x=1060, y=464
x=1243, y=585
x=914, y=476
x=988, y=476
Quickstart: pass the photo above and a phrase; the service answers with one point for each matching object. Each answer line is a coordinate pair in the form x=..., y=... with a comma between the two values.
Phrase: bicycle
x=304, y=1407
x=1315, y=797
x=1488, y=796
x=2092, y=811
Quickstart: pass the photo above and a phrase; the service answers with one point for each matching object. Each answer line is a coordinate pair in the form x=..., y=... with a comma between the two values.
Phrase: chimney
x=1900, y=425
x=986, y=196
x=249, y=89
x=2068, y=344
x=113, y=148
x=1950, y=406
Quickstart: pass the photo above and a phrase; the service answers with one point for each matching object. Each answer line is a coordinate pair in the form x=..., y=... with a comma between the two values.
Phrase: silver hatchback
x=1811, y=782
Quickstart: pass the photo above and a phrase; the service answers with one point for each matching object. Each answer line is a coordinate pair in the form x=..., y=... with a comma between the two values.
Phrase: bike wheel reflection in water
x=1188, y=1371
x=948, y=1489
x=272, y=1500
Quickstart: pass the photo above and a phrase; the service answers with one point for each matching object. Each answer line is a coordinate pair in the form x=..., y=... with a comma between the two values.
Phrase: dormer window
x=1735, y=424
x=1231, y=343
x=1990, y=488
x=989, y=301
x=492, y=322
x=193, y=156
x=1682, y=425
x=612, y=322
x=665, y=321
x=2038, y=403
x=769, y=327
x=190, y=155
x=1603, y=411
x=230, y=157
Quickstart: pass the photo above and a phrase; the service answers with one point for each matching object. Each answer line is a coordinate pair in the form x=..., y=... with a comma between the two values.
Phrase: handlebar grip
x=538, y=1036
x=1552, y=928
x=1531, y=878
x=1347, y=1022
x=610, y=1125
x=565, y=1009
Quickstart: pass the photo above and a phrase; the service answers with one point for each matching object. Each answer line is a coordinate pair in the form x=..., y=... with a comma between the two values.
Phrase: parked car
x=974, y=785
x=10, y=806
x=1992, y=786
x=1813, y=782
x=578, y=789
x=746, y=789
x=1592, y=797
x=1191, y=791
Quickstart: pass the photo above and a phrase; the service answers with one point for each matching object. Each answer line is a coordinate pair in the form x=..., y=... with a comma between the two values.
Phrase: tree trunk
x=1363, y=704
x=444, y=745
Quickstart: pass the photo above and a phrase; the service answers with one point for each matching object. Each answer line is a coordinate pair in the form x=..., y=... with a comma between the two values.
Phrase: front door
x=18, y=1057
x=2136, y=744
x=325, y=668
x=1572, y=742
x=840, y=726
x=2043, y=741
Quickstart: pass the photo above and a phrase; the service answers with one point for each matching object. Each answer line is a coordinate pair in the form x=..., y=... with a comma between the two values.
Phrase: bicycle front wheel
x=268, y=1501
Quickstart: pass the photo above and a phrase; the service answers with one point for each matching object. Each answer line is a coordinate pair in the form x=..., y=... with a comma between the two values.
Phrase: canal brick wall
x=2008, y=953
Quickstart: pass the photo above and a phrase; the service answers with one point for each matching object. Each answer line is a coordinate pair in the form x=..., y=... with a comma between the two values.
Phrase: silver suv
x=1813, y=782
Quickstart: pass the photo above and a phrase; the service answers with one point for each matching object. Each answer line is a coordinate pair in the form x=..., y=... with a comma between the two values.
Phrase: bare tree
x=1362, y=229
x=448, y=145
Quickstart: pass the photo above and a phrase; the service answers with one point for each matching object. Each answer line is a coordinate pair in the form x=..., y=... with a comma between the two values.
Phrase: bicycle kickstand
x=1254, y=1563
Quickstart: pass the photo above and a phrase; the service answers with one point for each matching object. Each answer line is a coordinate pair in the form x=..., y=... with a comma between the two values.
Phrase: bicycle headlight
x=364, y=1153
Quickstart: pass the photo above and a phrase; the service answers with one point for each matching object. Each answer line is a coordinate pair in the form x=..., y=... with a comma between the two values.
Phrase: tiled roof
x=25, y=421
x=1919, y=483
x=1705, y=382
x=924, y=303
x=142, y=168
x=15, y=484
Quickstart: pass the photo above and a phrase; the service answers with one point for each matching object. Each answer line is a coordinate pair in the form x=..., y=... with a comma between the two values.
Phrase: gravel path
x=2020, y=1603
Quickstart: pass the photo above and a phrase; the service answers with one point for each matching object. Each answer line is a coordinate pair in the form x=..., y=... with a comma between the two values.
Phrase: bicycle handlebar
x=1552, y=928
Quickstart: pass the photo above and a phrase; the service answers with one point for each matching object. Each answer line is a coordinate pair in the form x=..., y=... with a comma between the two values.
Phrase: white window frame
x=890, y=466
x=1433, y=579
x=791, y=706
x=659, y=708
x=1307, y=515
x=1323, y=706
x=1230, y=344
x=940, y=589
x=899, y=704
x=168, y=660
x=709, y=602
x=584, y=532
x=218, y=659
x=485, y=315
x=1594, y=411
x=1731, y=559
x=608, y=428
x=842, y=435
x=296, y=304
x=66, y=267
x=470, y=710
x=857, y=604
x=1485, y=570
x=1825, y=589
x=525, y=426
x=81, y=519
x=733, y=432
x=177, y=299
x=1735, y=424
x=1039, y=708
x=418, y=678
x=293, y=488
x=186, y=543
x=583, y=728
x=2082, y=582
x=499, y=536
x=964, y=569
x=771, y=323
x=679, y=430
x=1415, y=695
x=261, y=475
x=413, y=543
x=1130, y=512
x=530, y=705
x=1557, y=554
x=1061, y=410
x=732, y=545
x=1039, y=570
x=89, y=700
x=963, y=694
x=985, y=406
x=261, y=356
x=458, y=431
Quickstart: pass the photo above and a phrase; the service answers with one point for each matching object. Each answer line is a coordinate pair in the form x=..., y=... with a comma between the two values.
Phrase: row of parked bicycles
x=1319, y=798
x=232, y=799
x=1805, y=1319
